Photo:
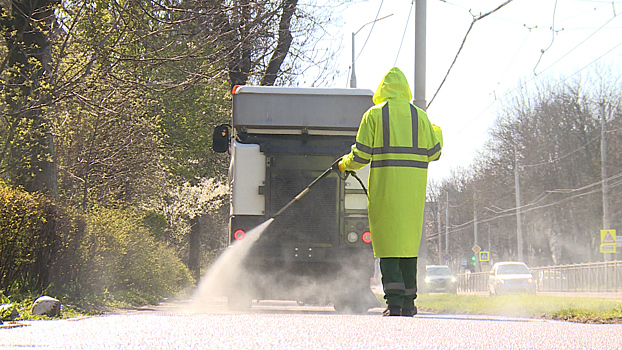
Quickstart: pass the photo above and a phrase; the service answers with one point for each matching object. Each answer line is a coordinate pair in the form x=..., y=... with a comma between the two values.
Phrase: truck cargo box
x=262, y=107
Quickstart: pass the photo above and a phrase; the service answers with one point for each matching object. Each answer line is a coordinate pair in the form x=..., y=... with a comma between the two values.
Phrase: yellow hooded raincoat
x=398, y=141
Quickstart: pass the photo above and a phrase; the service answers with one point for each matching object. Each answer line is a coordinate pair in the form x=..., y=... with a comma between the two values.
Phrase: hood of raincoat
x=393, y=86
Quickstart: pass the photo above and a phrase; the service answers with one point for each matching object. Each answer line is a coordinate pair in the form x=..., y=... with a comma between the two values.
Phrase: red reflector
x=239, y=235
x=235, y=89
x=366, y=237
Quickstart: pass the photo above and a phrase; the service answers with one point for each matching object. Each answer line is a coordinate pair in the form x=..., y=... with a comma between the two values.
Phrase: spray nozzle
x=335, y=165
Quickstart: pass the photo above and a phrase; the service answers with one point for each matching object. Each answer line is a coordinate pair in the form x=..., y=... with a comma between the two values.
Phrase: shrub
x=109, y=253
x=34, y=235
x=120, y=258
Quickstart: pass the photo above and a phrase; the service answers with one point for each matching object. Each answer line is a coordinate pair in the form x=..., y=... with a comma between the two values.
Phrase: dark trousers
x=399, y=281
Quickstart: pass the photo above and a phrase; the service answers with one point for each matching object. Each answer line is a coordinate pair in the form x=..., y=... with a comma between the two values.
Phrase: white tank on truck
x=318, y=251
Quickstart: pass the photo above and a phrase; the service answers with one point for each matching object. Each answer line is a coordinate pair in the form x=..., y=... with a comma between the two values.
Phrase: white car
x=510, y=277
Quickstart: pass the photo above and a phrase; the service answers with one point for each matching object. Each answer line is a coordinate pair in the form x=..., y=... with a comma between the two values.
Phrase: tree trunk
x=283, y=45
x=31, y=155
x=194, y=248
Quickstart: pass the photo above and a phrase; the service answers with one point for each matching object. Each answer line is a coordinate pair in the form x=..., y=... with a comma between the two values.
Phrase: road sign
x=476, y=249
x=484, y=256
x=608, y=240
x=446, y=256
x=607, y=236
x=463, y=263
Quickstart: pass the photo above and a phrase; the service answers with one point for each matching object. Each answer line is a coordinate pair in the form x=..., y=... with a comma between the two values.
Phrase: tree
x=27, y=139
x=550, y=136
x=269, y=42
x=129, y=92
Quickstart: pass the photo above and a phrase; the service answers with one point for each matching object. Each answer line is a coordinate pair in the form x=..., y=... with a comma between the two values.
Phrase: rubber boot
x=409, y=312
x=392, y=310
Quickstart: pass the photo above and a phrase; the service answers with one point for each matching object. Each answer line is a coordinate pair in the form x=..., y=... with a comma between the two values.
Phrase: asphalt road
x=284, y=325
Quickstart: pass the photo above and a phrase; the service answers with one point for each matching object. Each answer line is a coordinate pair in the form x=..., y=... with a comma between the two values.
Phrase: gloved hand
x=338, y=166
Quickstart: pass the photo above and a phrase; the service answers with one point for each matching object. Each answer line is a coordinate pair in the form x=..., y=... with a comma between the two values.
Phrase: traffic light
x=473, y=259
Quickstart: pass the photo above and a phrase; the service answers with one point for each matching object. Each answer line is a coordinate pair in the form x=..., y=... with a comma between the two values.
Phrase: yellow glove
x=341, y=166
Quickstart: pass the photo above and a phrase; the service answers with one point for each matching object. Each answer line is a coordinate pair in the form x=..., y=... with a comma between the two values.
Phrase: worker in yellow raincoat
x=398, y=141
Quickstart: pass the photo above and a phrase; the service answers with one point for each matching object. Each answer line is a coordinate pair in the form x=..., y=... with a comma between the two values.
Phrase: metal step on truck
x=319, y=251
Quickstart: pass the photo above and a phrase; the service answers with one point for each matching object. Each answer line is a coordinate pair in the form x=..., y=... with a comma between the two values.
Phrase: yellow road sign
x=608, y=237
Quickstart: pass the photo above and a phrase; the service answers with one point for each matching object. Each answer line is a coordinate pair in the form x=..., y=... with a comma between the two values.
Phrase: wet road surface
x=285, y=325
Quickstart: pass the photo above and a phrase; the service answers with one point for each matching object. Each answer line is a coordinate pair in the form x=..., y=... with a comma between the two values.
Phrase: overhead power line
x=502, y=213
x=552, y=38
x=371, y=30
x=574, y=48
x=404, y=34
x=533, y=78
x=562, y=157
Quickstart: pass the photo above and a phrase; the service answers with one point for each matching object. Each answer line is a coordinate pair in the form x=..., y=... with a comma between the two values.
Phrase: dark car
x=439, y=279
x=510, y=277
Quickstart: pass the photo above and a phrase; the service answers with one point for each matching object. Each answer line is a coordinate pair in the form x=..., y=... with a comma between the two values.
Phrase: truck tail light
x=366, y=237
x=239, y=235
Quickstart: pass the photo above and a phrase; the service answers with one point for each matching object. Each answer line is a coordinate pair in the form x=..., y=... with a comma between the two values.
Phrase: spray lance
x=333, y=167
x=257, y=231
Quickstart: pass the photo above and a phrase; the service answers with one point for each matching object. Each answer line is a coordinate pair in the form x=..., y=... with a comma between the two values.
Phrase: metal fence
x=472, y=282
x=600, y=277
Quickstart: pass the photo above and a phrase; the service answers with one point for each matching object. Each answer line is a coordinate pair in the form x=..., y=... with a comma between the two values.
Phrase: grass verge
x=23, y=308
x=586, y=310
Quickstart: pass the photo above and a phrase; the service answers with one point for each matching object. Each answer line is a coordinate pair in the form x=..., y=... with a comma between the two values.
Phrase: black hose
x=324, y=174
x=301, y=194
x=359, y=180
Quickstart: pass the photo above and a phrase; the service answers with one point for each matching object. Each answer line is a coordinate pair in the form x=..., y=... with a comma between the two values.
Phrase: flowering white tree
x=187, y=202
x=182, y=206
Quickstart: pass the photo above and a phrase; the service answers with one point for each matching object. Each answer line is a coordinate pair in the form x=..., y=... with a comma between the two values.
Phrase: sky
x=526, y=41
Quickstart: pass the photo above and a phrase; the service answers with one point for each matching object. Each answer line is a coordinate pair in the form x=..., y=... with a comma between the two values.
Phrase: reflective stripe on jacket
x=398, y=141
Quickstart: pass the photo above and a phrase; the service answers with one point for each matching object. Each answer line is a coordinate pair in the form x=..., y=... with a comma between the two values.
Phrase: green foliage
x=26, y=144
x=33, y=235
x=121, y=260
x=38, y=241
x=22, y=304
x=112, y=258
x=116, y=110
x=187, y=132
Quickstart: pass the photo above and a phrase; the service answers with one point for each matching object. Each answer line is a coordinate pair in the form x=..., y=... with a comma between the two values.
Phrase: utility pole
x=475, y=230
x=353, y=74
x=603, y=170
x=420, y=47
x=474, y=221
x=438, y=217
x=489, y=243
x=519, y=230
x=447, y=225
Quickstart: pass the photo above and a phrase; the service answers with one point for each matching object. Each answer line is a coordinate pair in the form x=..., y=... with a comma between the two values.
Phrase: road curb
x=12, y=325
